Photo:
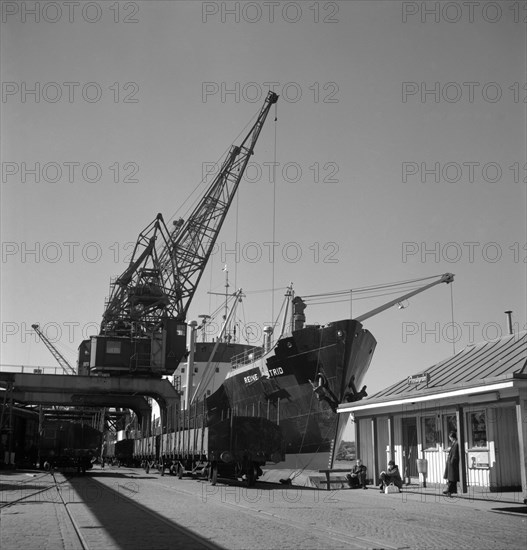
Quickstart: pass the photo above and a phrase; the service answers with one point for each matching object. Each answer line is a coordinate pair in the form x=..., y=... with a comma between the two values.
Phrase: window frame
x=112, y=346
x=448, y=427
x=425, y=422
x=470, y=425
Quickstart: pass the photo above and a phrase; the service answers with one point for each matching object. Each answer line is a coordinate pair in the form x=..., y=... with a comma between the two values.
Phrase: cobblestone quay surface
x=124, y=508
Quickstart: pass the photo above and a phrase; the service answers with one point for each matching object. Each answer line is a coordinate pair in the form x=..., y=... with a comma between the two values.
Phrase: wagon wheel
x=213, y=473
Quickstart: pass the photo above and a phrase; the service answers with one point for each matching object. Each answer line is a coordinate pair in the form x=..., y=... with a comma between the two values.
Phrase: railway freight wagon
x=219, y=444
x=65, y=444
x=18, y=437
x=124, y=452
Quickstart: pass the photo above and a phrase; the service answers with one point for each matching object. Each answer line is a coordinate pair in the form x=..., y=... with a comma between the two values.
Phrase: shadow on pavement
x=522, y=510
x=139, y=473
x=107, y=473
x=471, y=496
x=127, y=522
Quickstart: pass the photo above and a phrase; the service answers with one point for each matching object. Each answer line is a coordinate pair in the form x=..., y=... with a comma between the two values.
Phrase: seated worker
x=391, y=475
x=357, y=476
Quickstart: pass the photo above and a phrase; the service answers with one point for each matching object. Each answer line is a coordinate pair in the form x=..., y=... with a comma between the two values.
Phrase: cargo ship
x=274, y=411
x=298, y=381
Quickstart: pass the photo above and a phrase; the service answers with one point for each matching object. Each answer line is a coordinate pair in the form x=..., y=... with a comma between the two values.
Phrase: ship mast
x=226, y=333
x=289, y=295
x=227, y=319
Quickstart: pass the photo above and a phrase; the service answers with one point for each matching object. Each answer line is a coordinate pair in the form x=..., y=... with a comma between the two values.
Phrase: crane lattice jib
x=61, y=360
x=167, y=266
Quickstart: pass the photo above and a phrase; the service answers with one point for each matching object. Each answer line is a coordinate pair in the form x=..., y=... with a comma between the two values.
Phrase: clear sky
x=400, y=138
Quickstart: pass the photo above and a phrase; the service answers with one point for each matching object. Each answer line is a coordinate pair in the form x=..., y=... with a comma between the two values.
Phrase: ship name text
x=250, y=379
x=276, y=372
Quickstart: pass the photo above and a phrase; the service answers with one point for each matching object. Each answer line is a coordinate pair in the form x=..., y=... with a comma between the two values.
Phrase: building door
x=505, y=472
x=409, y=466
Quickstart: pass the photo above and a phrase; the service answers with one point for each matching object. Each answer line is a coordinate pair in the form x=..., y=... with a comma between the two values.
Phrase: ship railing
x=247, y=357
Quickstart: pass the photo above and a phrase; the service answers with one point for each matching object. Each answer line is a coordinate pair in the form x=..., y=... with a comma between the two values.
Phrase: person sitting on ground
x=391, y=476
x=357, y=476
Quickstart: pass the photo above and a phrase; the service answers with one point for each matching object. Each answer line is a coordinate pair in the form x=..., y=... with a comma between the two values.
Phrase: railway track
x=58, y=485
x=48, y=493
x=91, y=516
x=47, y=480
x=103, y=514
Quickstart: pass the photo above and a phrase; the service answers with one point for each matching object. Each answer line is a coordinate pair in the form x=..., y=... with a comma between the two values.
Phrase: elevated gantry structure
x=97, y=391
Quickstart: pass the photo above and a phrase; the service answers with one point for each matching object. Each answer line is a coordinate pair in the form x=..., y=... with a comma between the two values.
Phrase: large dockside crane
x=143, y=331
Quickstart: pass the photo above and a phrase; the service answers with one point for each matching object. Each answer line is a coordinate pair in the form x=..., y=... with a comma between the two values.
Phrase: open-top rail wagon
x=65, y=444
x=214, y=444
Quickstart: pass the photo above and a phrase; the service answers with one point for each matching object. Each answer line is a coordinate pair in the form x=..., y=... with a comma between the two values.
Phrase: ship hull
x=300, y=383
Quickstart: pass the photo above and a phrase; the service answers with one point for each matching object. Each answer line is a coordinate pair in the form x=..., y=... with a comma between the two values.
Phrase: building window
x=450, y=421
x=113, y=347
x=478, y=429
x=431, y=434
x=182, y=370
x=217, y=369
x=195, y=370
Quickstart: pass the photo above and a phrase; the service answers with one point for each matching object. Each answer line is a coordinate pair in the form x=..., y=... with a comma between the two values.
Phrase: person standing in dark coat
x=452, y=465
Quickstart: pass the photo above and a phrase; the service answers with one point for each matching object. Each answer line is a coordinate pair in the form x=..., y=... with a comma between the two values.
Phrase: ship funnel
x=509, y=321
x=298, y=313
x=268, y=334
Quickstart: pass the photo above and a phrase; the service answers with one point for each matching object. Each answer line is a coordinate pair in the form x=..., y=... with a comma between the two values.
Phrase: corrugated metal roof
x=492, y=360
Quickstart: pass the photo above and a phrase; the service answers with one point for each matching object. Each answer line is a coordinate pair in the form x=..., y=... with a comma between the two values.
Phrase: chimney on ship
x=268, y=331
x=298, y=313
x=509, y=321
